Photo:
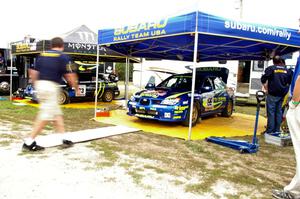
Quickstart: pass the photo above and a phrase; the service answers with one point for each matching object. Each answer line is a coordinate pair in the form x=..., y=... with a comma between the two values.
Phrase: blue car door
x=220, y=94
x=207, y=95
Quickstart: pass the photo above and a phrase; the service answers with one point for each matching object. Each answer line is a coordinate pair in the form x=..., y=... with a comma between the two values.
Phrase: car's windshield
x=177, y=82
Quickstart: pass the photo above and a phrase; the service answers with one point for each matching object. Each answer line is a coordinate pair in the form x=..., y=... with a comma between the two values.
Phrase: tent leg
x=126, y=80
x=193, y=78
x=96, y=82
x=141, y=74
x=11, y=72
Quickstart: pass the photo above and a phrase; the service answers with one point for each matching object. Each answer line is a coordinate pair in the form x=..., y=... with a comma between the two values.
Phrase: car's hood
x=160, y=93
x=214, y=71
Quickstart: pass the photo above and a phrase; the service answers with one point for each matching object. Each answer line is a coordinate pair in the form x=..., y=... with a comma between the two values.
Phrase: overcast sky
x=46, y=19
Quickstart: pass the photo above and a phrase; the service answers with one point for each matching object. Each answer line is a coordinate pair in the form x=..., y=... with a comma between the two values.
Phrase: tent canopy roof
x=79, y=43
x=219, y=39
x=81, y=34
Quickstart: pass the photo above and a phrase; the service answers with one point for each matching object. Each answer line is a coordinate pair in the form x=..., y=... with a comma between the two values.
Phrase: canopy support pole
x=141, y=74
x=97, y=77
x=11, y=73
x=194, y=77
x=126, y=80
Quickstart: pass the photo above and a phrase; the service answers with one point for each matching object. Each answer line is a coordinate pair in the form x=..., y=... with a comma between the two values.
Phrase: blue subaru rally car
x=170, y=100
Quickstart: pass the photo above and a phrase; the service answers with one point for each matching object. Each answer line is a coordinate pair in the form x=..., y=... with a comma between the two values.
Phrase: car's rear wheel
x=228, y=110
x=108, y=96
x=63, y=97
x=195, y=115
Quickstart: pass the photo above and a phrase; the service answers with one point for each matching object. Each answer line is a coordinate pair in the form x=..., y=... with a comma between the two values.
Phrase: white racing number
x=82, y=89
x=208, y=101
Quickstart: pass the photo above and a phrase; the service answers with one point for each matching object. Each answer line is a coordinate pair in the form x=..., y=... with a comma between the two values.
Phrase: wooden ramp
x=55, y=139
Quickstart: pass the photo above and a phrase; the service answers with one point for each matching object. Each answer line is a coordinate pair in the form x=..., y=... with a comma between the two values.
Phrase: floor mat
x=55, y=139
x=237, y=125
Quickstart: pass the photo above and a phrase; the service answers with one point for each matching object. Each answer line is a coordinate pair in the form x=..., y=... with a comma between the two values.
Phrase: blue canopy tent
x=216, y=39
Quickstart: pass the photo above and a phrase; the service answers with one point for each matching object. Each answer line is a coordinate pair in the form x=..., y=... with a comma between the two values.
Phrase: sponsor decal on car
x=154, y=94
x=185, y=102
x=144, y=116
x=167, y=115
x=177, y=117
x=181, y=108
x=159, y=106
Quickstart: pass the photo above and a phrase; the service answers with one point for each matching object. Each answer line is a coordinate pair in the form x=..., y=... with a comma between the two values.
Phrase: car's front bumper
x=158, y=112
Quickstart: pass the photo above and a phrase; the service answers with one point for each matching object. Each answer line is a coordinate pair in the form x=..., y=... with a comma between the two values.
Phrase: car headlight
x=132, y=98
x=170, y=101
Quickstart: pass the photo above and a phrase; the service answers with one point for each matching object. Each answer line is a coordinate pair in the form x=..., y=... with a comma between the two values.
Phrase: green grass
x=4, y=143
x=136, y=177
x=8, y=136
x=250, y=110
x=155, y=168
x=75, y=119
x=125, y=165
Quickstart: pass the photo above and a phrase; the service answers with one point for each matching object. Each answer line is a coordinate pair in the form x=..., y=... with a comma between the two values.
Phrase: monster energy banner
x=84, y=48
x=90, y=67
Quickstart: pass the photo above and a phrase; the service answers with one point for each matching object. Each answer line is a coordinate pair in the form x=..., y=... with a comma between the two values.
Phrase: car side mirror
x=206, y=89
x=150, y=86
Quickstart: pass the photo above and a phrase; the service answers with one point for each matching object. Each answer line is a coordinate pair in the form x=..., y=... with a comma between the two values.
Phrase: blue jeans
x=274, y=113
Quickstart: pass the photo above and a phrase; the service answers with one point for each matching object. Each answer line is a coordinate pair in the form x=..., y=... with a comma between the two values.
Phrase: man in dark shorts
x=277, y=80
x=47, y=75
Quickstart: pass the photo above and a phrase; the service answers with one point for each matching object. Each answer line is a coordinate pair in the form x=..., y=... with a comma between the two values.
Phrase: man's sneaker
x=67, y=143
x=281, y=194
x=32, y=147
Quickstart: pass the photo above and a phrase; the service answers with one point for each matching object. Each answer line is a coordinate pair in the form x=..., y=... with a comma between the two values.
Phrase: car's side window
x=171, y=83
x=207, y=85
x=219, y=84
x=184, y=83
x=207, y=82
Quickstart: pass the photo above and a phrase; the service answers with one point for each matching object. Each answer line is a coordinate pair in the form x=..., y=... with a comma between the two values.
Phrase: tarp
x=219, y=39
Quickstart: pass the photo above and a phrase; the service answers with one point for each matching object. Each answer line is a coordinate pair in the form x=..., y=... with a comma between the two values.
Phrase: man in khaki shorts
x=47, y=75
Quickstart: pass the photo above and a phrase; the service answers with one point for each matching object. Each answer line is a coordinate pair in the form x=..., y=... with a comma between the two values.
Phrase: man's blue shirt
x=52, y=65
x=279, y=79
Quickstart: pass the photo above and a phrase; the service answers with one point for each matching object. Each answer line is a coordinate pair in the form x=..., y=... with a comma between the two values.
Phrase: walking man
x=50, y=67
x=276, y=79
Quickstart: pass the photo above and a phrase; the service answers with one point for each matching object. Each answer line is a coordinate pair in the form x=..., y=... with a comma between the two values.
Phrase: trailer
x=5, y=72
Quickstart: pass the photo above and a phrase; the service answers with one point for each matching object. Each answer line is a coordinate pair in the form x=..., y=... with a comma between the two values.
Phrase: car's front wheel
x=195, y=115
x=108, y=96
x=228, y=110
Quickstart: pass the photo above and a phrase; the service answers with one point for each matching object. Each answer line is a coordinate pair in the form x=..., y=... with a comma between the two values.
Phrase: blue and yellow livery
x=170, y=100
